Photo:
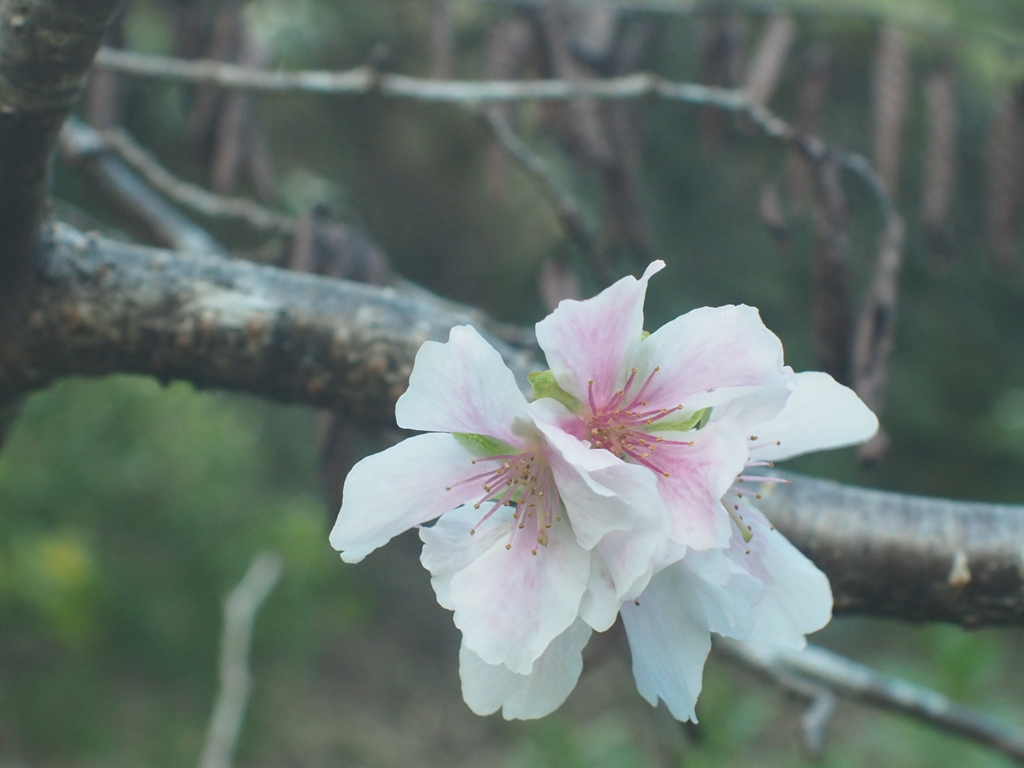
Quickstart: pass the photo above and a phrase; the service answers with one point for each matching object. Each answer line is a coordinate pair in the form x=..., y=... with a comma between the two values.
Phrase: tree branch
x=804, y=671
x=46, y=47
x=240, y=610
x=366, y=80
x=85, y=148
x=906, y=557
x=103, y=307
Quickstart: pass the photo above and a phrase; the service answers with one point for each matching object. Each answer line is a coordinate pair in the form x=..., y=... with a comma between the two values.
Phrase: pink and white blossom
x=638, y=397
x=511, y=552
x=669, y=626
x=621, y=490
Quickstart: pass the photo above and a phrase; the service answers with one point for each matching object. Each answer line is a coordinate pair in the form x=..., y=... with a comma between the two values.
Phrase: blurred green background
x=128, y=508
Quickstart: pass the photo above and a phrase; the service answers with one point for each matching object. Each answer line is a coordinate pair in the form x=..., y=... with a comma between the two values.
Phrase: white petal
x=820, y=414
x=797, y=598
x=727, y=592
x=600, y=604
x=669, y=640
x=392, y=491
x=462, y=386
x=591, y=339
x=708, y=356
x=488, y=687
x=509, y=604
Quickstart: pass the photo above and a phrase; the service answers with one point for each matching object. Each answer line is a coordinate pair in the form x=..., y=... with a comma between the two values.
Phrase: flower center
x=523, y=481
x=622, y=424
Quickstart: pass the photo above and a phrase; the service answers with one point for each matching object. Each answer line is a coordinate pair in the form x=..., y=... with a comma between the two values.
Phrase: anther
x=447, y=487
x=508, y=546
x=472, y=531
x=636, y=602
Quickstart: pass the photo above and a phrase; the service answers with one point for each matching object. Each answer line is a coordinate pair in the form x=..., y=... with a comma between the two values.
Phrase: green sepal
x=544, y=385
x=483, y=445
x=695, y=420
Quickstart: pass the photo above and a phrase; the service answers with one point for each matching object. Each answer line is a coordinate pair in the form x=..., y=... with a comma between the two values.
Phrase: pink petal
x=819, y=414
x=797, y=598
x=392, y=491
x=488, y=687
x=698, y=477
x=709, y=356
x=591, y=339
x=462, y=385
x=509, y=604
x=601, y=492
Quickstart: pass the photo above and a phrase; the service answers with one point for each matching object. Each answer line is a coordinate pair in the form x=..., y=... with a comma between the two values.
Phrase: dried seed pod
x=811, y=95
x=940, y=159
x=770, y=58
x=508, y=49
x=1006, y=165
x=891, y=96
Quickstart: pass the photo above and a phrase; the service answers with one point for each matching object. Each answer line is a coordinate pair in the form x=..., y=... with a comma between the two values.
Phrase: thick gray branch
x=104, y=307
x=907, y=557
x=46, y=47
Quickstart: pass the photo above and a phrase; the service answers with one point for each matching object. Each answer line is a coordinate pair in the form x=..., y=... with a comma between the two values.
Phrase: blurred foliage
x=128, y=509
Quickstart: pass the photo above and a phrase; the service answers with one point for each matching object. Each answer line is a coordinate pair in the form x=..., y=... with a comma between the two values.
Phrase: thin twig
x=183, y=193
x=240, y=610
x=860, y=683
x=569, y=213
x=367, y=80
x=82, y=146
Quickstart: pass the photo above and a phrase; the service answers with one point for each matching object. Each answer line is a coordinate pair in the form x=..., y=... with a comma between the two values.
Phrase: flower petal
x=462, y=385
x=488, y=687
x=591, y=339
x=709, y=356
x=727, y=592
x=698, y=477
x=392, y=491
x=797, y=598
x=820, y=414
x=509, y=603
x=601, y=492
x=669, y=640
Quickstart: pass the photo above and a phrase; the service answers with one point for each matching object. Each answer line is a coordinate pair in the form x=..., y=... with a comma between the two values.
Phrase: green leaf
x=544, y=385
x=695, y=420
x=483, y=445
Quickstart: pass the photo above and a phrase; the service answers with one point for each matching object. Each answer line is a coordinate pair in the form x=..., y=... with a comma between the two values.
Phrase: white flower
x=620, y=489
x=511, y=552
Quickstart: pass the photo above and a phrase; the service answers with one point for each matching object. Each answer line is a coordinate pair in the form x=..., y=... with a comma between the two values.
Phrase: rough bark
x=46, y=46
x=101, y=307
x=907, y=557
